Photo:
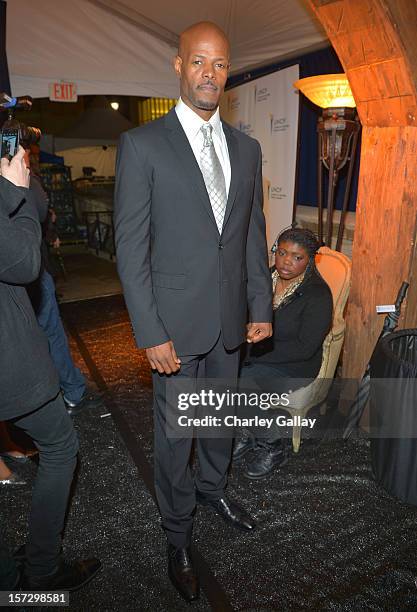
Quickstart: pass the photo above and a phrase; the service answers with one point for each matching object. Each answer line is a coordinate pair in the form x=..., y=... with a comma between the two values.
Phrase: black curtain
x=4, y=70
x=324, y=61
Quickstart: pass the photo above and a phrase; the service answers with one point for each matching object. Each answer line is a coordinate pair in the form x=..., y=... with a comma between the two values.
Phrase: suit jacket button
x=220, y=245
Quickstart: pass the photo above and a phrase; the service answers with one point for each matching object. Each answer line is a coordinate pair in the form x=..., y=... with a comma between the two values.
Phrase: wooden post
x=377, y=46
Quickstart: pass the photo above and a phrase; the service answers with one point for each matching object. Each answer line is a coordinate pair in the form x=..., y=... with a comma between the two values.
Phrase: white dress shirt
x=191, y=124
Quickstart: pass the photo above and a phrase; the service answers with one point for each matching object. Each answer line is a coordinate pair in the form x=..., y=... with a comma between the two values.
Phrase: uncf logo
x=277, y=125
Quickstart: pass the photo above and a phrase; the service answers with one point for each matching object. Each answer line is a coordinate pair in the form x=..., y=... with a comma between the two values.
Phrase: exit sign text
x=63, y=92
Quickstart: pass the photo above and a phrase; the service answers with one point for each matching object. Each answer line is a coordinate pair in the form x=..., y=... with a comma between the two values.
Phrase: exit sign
x=63, y=92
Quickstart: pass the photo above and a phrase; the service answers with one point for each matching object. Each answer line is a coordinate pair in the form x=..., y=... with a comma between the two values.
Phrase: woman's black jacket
x=301, y=324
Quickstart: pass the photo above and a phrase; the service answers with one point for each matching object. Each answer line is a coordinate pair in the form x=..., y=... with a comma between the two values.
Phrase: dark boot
x=67, y=576
x=243, y=444
x=269, y=455
x=90, y=399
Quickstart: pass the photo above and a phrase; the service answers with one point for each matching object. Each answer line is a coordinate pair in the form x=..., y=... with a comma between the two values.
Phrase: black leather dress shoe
x=90, y=399
x=182, y=574
x=269, y=455
x=67, y=577
x=231, y=512
x=243, y=445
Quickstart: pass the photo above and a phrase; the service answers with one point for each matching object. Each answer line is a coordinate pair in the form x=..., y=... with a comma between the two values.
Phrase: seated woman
x=303, y=308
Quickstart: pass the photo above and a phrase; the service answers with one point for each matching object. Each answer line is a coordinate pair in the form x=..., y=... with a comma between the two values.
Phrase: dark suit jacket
x=181, y=279
x=27, y=376
x=300, y=327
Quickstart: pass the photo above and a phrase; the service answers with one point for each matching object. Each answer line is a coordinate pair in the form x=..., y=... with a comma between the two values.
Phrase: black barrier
x=393, y=405
x=100, y=232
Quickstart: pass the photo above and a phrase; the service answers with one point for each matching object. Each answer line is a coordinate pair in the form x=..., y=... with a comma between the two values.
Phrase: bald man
x=192, y=258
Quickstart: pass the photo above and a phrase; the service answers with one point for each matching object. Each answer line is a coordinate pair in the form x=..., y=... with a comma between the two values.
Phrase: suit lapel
x=188, y=161
x=234, y=164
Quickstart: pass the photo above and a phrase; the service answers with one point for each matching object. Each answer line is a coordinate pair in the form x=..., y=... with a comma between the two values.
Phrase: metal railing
x=100, y=232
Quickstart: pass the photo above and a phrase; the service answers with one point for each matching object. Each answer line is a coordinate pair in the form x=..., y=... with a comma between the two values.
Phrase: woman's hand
x=255, y=332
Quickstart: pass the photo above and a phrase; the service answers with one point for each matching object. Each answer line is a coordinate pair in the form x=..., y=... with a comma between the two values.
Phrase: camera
x=13, y=132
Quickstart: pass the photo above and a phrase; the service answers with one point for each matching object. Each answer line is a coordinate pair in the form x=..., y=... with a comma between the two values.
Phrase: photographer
x=77, y=395
x=29, y=390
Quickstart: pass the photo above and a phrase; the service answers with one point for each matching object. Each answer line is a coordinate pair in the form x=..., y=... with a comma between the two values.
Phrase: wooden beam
x=384, y=237
x=377, y=46
x=374, y=58
x=403, y=16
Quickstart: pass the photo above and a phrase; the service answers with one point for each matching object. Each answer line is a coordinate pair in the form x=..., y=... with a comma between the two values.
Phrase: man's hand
x=163, y=358
x=15, y=170
x=255, y=332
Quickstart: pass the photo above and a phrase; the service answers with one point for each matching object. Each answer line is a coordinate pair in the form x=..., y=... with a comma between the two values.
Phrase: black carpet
x=328, y=537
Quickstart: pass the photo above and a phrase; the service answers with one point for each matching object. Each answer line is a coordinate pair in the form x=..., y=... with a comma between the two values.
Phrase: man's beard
x=202, y=104
x=205, y=104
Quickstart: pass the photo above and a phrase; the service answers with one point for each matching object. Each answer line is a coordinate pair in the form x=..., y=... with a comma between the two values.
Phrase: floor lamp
x=338, y=131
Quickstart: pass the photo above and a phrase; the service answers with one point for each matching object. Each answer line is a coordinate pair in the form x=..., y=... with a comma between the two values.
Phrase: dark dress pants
x=52, y=431
x=272, y=379
x=174, y=483
x=9, y=575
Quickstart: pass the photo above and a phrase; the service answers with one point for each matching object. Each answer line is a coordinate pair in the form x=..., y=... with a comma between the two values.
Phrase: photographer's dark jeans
x=47, y=312
x=53, y=433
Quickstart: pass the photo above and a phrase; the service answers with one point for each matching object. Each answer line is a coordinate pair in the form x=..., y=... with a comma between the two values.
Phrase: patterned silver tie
x=213, y=176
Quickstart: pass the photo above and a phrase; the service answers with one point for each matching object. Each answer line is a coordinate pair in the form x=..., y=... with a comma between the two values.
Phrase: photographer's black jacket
x=28, y=378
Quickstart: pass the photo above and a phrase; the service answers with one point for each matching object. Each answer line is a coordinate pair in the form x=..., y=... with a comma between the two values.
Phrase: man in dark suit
x=192, y=258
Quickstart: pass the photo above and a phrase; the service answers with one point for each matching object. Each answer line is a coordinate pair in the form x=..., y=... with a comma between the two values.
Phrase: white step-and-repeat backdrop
x=267, y=109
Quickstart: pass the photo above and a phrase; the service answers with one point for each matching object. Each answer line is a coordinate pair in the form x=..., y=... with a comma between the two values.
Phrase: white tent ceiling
x=125, y=47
